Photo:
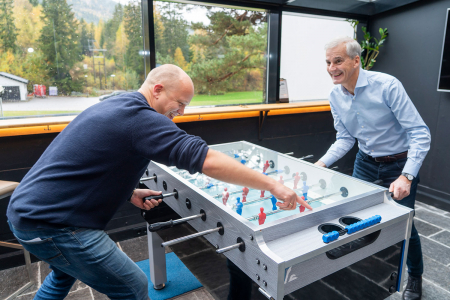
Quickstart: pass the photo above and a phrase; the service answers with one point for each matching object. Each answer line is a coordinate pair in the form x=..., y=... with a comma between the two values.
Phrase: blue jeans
x=85, y=254
x=367, y=169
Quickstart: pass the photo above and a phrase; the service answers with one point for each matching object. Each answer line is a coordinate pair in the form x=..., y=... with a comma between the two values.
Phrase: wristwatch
x=408, y=176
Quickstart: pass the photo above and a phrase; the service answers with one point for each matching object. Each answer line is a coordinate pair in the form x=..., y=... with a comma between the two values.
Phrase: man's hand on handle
x=400, y=187
x=138, y=199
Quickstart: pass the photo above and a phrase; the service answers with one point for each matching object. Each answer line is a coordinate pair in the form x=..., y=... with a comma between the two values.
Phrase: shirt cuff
x=328, y=159
x=411, y=167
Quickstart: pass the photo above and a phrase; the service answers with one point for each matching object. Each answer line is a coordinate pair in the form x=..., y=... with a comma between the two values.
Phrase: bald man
x=62, y=206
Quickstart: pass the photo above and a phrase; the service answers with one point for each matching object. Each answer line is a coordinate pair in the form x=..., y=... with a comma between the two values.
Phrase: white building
x=15, y=87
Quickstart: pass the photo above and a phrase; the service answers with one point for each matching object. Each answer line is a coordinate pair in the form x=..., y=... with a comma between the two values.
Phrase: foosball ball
x=284, y=251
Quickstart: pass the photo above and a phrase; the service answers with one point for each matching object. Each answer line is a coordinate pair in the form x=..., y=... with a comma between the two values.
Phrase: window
x=223, y=50
x=303, y=54
x=60, y=57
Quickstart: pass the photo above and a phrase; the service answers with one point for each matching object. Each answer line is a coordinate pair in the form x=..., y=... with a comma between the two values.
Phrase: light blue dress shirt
x=383, y=119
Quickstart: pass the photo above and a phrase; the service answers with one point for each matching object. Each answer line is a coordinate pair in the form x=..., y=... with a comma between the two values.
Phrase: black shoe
x=413, y=290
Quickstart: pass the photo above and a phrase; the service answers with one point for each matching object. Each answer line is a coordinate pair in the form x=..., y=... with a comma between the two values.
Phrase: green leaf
x=376, y=41
x=381, y=31
x=363, y=29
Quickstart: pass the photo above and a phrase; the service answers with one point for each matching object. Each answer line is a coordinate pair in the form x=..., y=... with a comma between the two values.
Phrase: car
x=115, y=93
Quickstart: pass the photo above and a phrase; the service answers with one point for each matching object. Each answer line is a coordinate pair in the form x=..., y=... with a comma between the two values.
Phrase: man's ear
x=157, y=89
x=357, y=61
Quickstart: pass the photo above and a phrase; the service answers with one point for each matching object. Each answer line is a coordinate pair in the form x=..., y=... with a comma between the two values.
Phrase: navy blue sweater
x=92, y=166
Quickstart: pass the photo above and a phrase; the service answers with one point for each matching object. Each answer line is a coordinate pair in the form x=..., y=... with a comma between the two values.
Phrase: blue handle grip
x=334, y=235
x=363, y=224
x=331, y=236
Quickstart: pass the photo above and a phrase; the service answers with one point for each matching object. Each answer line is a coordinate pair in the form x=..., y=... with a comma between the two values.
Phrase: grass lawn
x=228, y=98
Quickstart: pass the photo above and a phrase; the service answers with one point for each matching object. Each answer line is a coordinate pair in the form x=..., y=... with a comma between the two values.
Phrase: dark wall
x=412, y=53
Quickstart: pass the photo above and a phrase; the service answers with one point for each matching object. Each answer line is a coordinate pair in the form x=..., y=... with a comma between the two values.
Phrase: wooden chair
x=6, y=189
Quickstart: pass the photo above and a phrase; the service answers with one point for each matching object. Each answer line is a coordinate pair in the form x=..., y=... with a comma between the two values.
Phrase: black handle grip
x=160, y=226
x=157, y=197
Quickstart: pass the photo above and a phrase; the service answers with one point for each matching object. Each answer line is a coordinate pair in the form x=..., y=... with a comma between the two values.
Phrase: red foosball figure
x=266, y=166
x=296, y=180
x=302, y=208
x=262, y=194
x=245, y=191
x=281, y=180
x=262, y=216
x=225, y=196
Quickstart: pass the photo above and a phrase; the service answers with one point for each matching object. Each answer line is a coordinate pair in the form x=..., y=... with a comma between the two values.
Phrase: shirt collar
x=361, y=82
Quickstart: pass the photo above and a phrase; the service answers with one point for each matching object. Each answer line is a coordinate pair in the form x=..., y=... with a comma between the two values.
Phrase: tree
x=179, y=59
x=133, y=30
x=28, y=23
x=229, y=53
x=85, y=37
x=108, y=38
x=60, y=44
x=8, y=31
x=175, y=30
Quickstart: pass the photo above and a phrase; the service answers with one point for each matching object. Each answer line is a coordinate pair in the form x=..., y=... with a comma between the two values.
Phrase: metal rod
x=222, y=250
x=253, y=201
x=256, y=217
x=306, y=157
x=187, y=219
x=164, y=225
x=289, y=153
x=147, y=178
x=265, y=294
x=191, y=236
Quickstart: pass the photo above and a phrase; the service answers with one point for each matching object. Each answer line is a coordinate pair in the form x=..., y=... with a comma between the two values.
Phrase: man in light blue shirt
x=393, y=140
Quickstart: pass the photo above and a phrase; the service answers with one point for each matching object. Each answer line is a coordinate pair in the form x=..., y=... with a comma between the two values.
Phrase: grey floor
x=433, y=225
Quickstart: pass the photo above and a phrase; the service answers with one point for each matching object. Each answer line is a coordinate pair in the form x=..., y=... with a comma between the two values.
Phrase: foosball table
x=284, y=251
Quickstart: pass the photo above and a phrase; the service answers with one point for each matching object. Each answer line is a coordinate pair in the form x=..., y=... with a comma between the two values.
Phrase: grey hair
x=353, y=47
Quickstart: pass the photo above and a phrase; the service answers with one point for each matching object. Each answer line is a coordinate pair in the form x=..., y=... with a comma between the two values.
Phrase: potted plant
x=369, y=49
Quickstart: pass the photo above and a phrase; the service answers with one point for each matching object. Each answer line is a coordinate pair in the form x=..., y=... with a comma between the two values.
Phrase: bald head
x=170, y=76
x=168, y=89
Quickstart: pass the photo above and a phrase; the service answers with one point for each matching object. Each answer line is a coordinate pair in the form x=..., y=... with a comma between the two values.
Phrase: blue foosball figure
x=239, y=206
x=274, y=201
x=305, y=189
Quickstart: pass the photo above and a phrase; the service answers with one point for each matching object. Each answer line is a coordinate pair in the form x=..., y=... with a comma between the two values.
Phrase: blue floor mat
x=179, y=279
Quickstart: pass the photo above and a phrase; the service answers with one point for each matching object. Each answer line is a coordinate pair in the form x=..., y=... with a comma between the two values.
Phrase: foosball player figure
x=239, y=206
x=296, y=180
x=225, y=196
x=302, y=208
x=266, y=166
x=262, y=194
x=281, y=180
x=261, y=216
x=245, y=191
x=274, y=202
x=305, y=189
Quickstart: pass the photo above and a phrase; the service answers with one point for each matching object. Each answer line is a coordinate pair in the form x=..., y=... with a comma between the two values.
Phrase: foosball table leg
x=157, y=260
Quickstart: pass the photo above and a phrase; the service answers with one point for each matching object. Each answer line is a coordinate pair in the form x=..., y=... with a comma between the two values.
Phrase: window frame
x=274, y=12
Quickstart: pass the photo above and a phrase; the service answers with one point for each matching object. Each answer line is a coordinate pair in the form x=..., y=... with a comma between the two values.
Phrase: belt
x=390, y=158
